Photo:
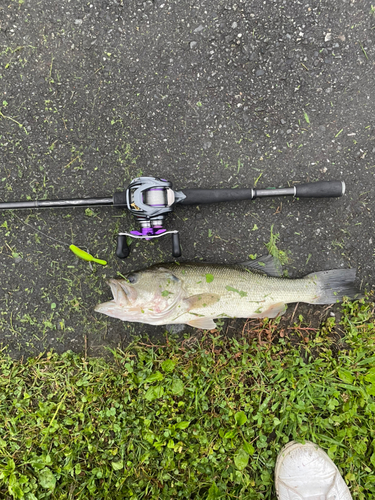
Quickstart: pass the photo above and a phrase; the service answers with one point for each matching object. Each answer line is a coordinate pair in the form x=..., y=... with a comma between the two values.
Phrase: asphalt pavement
x=207, y=94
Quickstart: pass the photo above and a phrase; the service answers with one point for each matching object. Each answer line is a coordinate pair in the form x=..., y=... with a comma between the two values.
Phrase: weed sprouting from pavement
x=280, y=255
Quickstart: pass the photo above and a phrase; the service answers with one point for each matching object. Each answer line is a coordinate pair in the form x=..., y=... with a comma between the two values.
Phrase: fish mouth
x=123, y=293
x=122, y=306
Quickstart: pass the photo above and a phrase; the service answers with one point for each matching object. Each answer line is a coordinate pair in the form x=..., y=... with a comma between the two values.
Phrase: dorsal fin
x=267, y=264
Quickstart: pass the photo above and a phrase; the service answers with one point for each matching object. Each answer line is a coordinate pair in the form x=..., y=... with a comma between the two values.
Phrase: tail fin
x=334, y=285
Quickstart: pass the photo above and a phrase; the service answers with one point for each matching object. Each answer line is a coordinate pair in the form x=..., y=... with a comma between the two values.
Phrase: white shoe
x=305, y=472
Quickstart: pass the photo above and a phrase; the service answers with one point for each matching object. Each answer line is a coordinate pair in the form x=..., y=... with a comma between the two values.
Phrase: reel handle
x=176, y=249
x=122, y=249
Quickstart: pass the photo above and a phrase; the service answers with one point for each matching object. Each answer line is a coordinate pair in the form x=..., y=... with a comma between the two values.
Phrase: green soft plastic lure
x=86, y=256
x=77, y=251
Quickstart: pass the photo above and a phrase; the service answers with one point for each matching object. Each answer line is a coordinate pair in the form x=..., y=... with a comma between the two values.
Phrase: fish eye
x=132, y=278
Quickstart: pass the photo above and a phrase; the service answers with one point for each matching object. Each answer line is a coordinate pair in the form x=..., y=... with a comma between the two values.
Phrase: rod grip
x=320, y=189
x=199, y=196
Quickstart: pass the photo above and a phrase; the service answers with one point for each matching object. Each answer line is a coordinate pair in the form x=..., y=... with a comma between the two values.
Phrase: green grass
x=203, y=419
x=279, y=255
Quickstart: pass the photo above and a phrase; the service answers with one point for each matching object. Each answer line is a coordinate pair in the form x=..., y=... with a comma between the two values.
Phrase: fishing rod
x=150, y=199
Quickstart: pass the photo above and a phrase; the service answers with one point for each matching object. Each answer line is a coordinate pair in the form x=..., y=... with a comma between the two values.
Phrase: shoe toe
x=304, y=471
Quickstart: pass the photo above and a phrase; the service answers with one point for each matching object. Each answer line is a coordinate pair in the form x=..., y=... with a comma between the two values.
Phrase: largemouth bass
x=196, y=294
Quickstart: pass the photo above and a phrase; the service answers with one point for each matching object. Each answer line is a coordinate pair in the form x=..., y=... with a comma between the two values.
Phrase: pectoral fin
x=203, y=323
x=201, y=300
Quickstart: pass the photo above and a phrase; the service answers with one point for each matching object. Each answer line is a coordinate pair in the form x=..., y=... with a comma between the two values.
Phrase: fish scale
x=249, y=294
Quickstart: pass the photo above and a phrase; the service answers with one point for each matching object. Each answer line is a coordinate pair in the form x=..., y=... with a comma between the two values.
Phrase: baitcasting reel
x=150, y=199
